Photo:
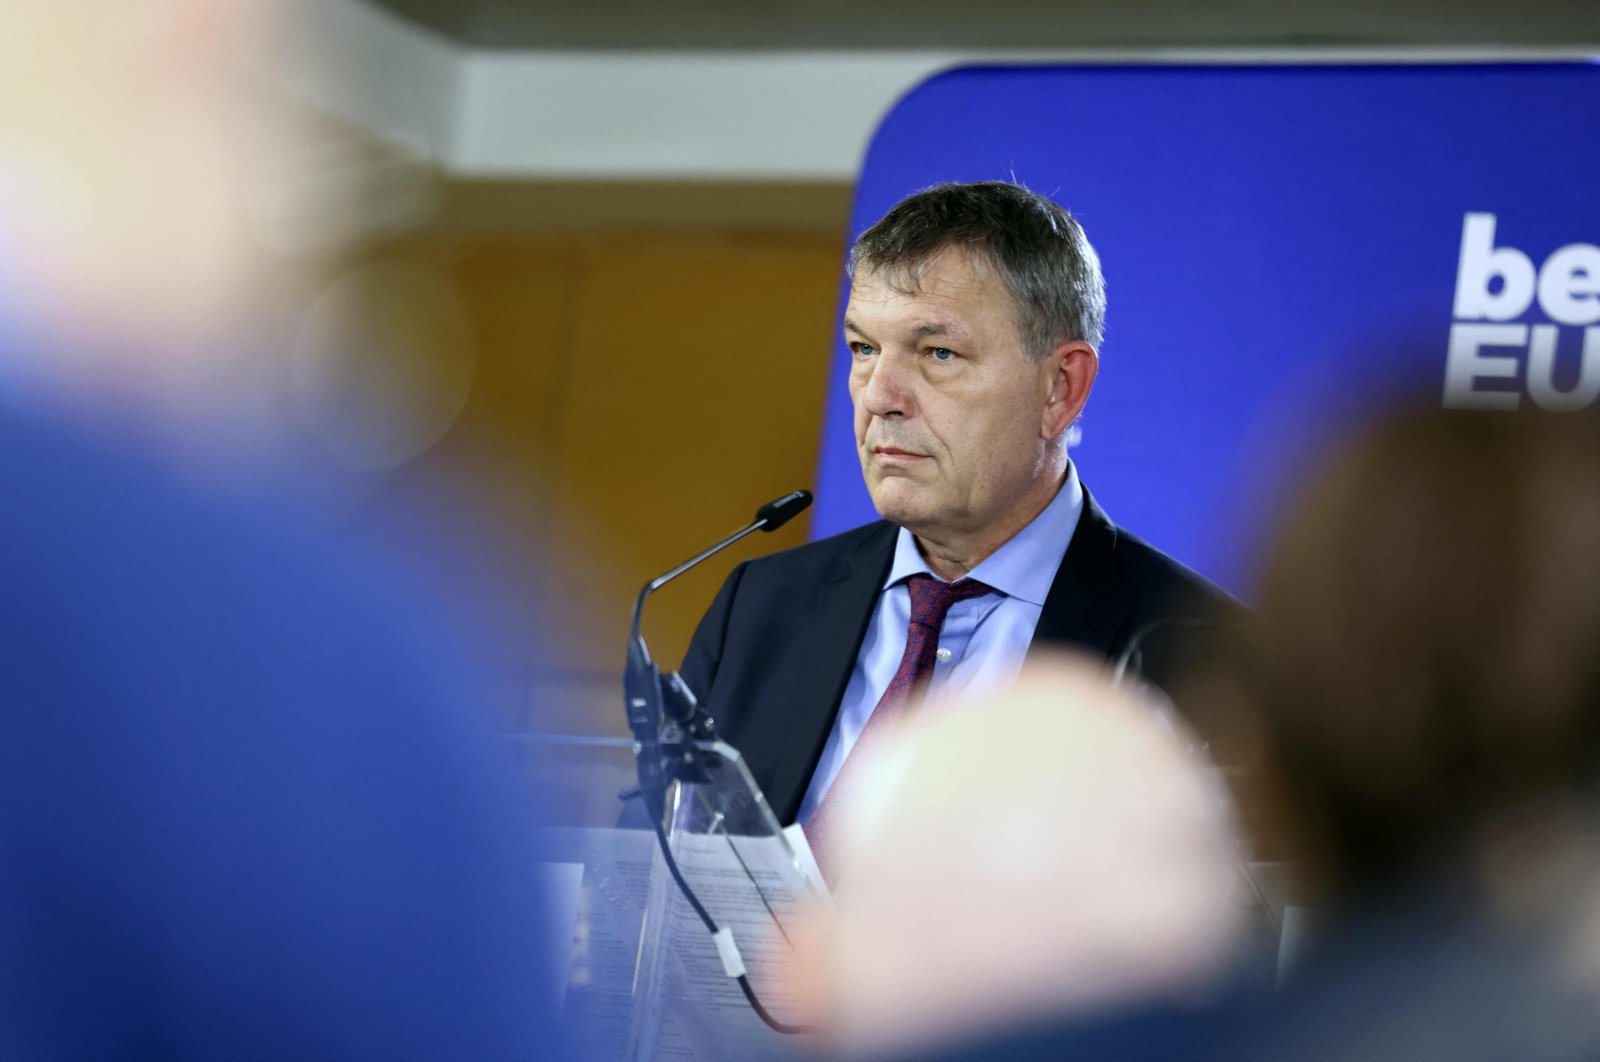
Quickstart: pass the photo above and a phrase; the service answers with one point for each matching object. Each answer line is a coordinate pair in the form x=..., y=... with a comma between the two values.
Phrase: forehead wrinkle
x=907, y=279
x=920, y=330
x=936, y=330
x=892, y=282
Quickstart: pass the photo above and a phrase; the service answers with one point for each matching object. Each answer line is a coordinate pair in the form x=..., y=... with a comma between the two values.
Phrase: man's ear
x=1070, y=371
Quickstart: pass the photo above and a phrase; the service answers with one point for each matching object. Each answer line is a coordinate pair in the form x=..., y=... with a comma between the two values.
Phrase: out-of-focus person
x=1423, y=702
x=1060, y=854
x=251, y=804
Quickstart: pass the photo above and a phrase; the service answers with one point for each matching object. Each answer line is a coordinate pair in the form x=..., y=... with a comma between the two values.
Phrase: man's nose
x=889, y=390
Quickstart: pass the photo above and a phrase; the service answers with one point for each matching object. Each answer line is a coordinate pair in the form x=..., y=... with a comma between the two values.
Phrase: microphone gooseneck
x=769, y=517
x=668, y=723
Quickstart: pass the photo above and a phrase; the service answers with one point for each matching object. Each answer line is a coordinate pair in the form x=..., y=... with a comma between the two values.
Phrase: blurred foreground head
x=159, y=181
x=187, y=252
x=1053, y=851
x=1429, y=665
x=125, y=139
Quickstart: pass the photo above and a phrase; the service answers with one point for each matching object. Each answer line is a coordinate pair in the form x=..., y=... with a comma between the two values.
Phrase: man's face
x=953, y=424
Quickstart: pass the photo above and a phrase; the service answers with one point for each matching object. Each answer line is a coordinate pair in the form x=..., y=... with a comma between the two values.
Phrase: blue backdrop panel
x=1281, y=245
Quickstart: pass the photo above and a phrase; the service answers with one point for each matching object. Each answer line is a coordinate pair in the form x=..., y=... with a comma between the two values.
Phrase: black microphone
x=668, y=726
x=649, y=694
x=780, y=511
x=769, y=517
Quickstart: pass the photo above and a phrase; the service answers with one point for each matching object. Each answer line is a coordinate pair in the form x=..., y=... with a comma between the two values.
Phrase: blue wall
x=1281, y=248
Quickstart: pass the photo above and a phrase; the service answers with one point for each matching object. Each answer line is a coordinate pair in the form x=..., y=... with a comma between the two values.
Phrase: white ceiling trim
x=374, y=70
x=653, y=115
x=783, y=116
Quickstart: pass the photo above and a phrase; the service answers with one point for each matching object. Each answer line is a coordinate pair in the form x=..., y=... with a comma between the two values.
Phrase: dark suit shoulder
x=758, y=597
x=834, y=555
x=1175, y=617
x=1118, y=596
x=1169, y=583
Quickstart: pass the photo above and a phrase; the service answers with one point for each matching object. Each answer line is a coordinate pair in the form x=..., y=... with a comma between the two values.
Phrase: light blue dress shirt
x=983, y=640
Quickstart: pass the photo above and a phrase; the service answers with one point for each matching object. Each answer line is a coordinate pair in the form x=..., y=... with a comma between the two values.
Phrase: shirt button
x=943, y=655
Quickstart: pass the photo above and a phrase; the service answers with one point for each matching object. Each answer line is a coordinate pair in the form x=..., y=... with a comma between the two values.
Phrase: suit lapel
x=824, y=652
x=1084, y=606
x=1087, y=606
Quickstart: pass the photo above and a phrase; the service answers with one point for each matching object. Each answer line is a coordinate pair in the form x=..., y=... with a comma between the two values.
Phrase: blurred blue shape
x=250, y=805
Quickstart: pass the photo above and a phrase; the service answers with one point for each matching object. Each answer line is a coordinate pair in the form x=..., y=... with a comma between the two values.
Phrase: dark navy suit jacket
x=771, y=657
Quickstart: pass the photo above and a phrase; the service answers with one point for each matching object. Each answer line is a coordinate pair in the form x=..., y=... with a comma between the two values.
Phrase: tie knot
x=931, y=598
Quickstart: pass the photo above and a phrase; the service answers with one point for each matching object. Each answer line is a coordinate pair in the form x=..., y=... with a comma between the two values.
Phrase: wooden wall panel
x=696, y=394
x=637, y=395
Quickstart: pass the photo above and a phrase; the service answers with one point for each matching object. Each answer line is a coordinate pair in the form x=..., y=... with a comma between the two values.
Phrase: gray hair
x=1033, y=244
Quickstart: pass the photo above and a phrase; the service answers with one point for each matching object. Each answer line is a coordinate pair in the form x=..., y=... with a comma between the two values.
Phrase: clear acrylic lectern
x=647, y=980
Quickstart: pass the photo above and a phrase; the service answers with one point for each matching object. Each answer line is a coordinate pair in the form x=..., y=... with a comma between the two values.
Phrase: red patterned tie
x=930, y=603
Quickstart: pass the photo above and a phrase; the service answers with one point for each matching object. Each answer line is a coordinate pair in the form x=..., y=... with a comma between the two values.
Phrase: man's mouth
x=894, y=453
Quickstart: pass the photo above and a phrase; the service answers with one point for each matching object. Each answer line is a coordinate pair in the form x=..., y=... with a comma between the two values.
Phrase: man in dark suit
x=973, y=320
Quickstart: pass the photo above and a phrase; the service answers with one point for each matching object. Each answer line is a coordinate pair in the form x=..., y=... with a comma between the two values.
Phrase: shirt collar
x=1025, y=566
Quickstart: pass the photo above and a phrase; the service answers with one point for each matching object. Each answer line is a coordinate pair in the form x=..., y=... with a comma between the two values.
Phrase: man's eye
x=942, y=354
x=863, y=350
